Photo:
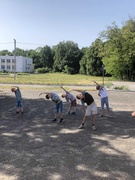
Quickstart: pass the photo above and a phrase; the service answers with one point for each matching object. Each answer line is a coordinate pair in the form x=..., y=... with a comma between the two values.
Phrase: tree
x=113, y=54
x=35, y=56
x=91, y=61
x=66, y=57
x=5, y=52
x=19, y=52
x=118, y=53
x=46, y=57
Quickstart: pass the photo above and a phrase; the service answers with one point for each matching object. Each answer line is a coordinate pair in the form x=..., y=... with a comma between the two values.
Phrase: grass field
x=52, y=78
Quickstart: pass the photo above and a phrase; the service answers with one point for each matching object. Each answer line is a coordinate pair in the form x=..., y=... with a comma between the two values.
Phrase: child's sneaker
x=54, y=120
x=94, y=127
x=81, y=126
x=101, y=115
x=61, y=120
x=109, y=116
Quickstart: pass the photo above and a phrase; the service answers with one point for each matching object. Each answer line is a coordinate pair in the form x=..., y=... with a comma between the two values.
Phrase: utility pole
x=14, y=59
x=103, y=74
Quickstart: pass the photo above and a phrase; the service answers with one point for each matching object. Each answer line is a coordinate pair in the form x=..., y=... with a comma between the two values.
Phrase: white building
x=22, y=64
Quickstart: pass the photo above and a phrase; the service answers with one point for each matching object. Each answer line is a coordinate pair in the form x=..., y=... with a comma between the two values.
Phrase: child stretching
x=18, y=96
x=102, y=92
x=90, y=109
x=69, y=97
x=59, y=104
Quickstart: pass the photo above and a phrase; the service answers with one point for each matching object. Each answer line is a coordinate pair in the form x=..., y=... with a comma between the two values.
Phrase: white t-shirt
x=103, y=92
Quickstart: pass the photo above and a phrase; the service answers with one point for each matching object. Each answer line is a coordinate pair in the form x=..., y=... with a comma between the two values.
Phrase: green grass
x=52, y=78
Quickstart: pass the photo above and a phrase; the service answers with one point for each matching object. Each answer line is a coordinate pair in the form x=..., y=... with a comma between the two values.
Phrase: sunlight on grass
x=52, y=78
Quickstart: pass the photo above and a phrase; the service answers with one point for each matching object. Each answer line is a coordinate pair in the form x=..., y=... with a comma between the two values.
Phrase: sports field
x=33, y=148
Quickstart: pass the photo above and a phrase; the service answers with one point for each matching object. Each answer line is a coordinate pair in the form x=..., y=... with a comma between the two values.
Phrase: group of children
x=83, y=96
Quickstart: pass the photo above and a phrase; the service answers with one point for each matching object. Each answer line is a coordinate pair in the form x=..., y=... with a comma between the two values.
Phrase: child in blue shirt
x=58, y=104
x=18, y=95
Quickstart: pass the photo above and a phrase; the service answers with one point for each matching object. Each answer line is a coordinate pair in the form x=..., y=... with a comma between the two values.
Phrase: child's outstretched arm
x=43, y=93
x=64, y=89
x=95, y=82
x=77, y=90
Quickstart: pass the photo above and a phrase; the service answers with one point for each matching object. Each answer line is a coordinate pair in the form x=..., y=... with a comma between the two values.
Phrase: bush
x=121, y=88
x=4, y=71
x=42, y=70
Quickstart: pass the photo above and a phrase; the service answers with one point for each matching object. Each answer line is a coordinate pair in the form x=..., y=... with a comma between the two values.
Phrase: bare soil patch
x=33, y=148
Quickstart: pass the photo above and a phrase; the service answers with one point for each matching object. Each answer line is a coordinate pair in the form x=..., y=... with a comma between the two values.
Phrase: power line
x=6, y=43
x=31, y=44
x=40, y=44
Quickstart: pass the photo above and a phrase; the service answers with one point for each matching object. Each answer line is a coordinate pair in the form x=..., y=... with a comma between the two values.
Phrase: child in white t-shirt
x=102, y=92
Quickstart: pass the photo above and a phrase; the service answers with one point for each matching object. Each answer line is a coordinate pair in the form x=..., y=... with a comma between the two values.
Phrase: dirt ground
x=34, y=148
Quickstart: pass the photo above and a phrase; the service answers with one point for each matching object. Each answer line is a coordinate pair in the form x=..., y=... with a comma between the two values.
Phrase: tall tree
x=91, y=61
x=46, y=57
x=35, y=56
x=19, y=52
x=113, y=57
x=66, y=58
x=118, y=54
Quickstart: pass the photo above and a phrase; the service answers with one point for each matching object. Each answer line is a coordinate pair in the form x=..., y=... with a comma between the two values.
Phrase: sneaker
x=94, y=127
x=61, y=120
x=101, y=115
x=81, y=126
x=73, y=113
x=54, y=120
x=17, y=112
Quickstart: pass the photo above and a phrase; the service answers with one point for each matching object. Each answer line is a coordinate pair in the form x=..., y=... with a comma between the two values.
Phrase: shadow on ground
x=33, y=148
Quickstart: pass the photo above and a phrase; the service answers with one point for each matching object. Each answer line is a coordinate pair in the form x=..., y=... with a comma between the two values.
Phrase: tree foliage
x=91, y=61
x=118, y=53
x=66, y=57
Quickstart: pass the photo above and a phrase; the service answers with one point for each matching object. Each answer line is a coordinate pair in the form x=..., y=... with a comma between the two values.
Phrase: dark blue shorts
x=104, y=101
x=59, y=107
x=19, y=103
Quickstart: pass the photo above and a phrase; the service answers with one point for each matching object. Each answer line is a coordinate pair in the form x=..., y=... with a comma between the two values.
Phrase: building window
x=8, y=60
x=2, y=60
x=8, y=66
x=13, y=60
x=13, y=67
x=3, y=67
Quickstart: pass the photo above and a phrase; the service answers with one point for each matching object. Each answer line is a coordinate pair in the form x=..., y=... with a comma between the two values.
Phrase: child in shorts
x=90, y=109
x=58, y=105
x=18, y=95
x=102, y=92
x=69, y=97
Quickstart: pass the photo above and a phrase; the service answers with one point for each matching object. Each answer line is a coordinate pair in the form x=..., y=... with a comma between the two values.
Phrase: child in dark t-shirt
x=91, y=108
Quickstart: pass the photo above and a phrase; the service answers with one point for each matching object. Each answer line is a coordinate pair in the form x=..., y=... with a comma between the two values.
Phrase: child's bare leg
x=93, y=122
x=61, y=116
x=93, y=119
x=17, y=110
x=22, y=109
x=83, y=122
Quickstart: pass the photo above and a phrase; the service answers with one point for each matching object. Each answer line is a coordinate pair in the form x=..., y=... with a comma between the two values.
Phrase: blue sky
x=35, y=23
